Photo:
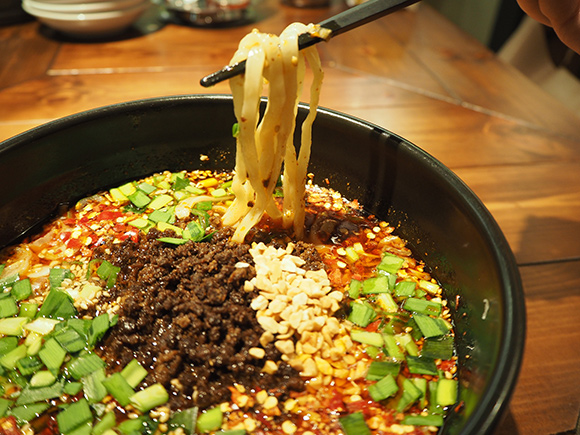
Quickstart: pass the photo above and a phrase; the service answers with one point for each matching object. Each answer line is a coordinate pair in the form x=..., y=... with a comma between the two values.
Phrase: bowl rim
x=85, y=17
x=76, y=8
x=495, y=399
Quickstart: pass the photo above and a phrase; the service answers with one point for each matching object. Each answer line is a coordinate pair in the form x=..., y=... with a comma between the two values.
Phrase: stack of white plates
x=87, y=18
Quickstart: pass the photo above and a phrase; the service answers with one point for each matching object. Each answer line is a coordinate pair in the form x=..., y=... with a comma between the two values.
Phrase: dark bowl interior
x=447, y=226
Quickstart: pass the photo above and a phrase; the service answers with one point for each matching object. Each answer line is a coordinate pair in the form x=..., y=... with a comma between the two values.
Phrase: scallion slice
x=379, y=369
x=423, y=420
x=151, y=397
x=52, y=355
x=361, y=314
x=384, y=388
x=421, y=365
x=134, y=373
x=390, y=263
x=354, y=424
x=118, y=387
x=422, y=306
x=209, y=420
x=74, y=416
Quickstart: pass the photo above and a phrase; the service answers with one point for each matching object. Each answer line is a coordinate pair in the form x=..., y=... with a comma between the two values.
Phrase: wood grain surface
x=414, y=73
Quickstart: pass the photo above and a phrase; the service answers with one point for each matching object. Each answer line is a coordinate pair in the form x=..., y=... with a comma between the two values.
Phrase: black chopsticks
x=340, y=23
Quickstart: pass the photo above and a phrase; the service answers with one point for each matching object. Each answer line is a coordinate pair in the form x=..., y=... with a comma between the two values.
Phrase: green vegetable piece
x=139, y=223
x=173, y=240
x=383, y=389
x=84, y=429
x=404, y=289
x=52, y=355
x=42, y=378
x=438, y=348
x=390, y=263
x=446, y=392
x=28, y=310
x=24, y=414
x=419, y=365
x=410, y=395
x=21, y=289
x=377, y=284
x=185, y=419
x=7, y=344
x=235, y=129
x=354, y=288
x=13, y=325
x=108, y=272
x=150, y=397
x=8, y=307
x=72, y=388
x=5, y=404
x=161, y=216
x=99, y=326
x=392, y=347
x=146, y=188
x=379, y=369
x=132, y=427
x=84, y=365
x=421, y=384
x=31, y=395
x=431, y=326
x=408, y=343
x=160, y=201
x=134, y=373
x=74, y=416
x=354, y=424
x=423, y=420
x=58, y=275
x=361, y=314
x=58, y=305
x=386, y=302
x=106, y=422
x=194, y=231
x=93, y=386
x=204, y=205
x=209, y=420
x=422, y=306
x=28, y=365
x=70, y=339
x=139, y=199
x=180, y=183
x=365, y=337
x=10, y=359
x=8, y=281
x=118, y=387
x=127, y=189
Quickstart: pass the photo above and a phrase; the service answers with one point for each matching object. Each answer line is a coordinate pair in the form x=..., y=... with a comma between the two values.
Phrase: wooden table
x=412, y=72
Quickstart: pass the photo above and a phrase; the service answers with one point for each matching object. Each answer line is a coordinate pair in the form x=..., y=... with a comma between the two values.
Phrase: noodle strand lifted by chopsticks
x=264, y=144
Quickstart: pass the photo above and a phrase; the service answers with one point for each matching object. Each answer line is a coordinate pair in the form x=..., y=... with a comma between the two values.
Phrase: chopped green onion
x=161, y=216
x=390, y=263
x=21, y=289
x=99, y=326
x=421, y=384
x=150, y=397
x=383, y=389
x=72, y=388
x=70, y=339
x=361, y=314
x=422, y=306
x=8, y=307
x=410, y=395
x=5, y=404
x=57, y=276
x=108, y=272
x=139, y=199
x=160, y=201
x=404, y=289
x=26, y=413
x=42, y=378
x=354, y=288
x=186, y=419
x=146, y=188
x=42, y=325
x=173, y=240
x=438, y=348
x=392, y=347
x=74, y=416
x=31, y=395
x=7, y=344
x=127, y=189
x=377, y=284
x=423, y=420
x=431, y=326
x=209, y=420
x=52, y=355
x=365, y=337
x=28, y=309
x=28, y=365
x=10, y=359
x=421, y=365
x=235, y=129
x=106, y=422
x=118, y=387
x=408, y=343
x=446, y=392
x=58, y=305
x=386, y=302
x=379, y=369
x=84, y=365
x=93, y=386
x=134, y=373
x=354, y=424
x=180, y=183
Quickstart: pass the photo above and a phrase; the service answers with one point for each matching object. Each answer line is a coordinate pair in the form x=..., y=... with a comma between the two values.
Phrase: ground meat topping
x=185, y=315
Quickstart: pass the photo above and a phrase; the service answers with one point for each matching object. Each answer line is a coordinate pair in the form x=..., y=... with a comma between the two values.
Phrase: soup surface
x=134, y=312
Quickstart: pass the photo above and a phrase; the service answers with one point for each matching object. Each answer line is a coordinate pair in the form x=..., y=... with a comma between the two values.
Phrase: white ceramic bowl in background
x=75, y=2
x=100, y=6
x=91, y=24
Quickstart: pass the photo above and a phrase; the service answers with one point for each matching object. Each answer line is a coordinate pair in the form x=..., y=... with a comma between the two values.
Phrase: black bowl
x=446, y=224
